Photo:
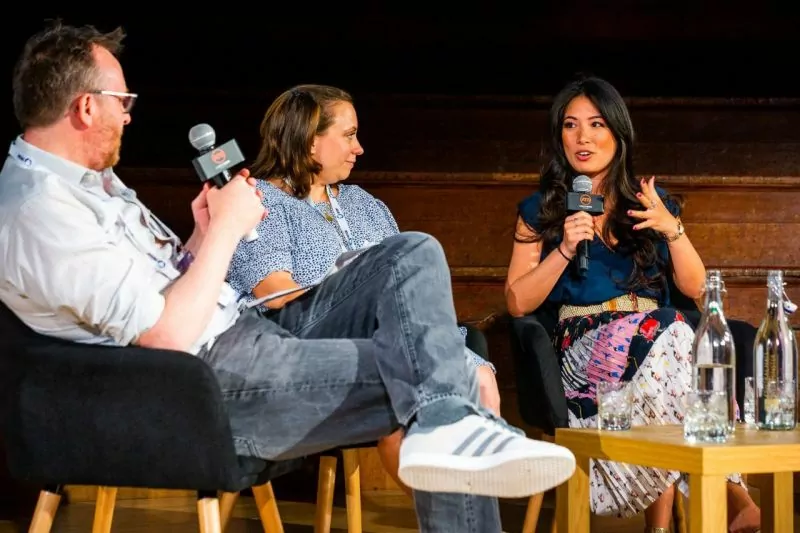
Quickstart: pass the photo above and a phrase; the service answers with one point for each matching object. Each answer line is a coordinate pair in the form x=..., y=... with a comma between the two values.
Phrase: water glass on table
x=779, y=405
x=706, y=418
x=749, y=401
x=614, y=405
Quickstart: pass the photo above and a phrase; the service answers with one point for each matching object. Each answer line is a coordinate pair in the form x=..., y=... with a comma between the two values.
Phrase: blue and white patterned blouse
x=297, y=238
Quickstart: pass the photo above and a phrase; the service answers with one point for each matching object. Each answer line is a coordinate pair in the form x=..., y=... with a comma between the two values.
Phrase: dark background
x=224, y=64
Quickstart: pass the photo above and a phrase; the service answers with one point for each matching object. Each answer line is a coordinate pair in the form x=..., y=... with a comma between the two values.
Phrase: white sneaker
x=478, y=455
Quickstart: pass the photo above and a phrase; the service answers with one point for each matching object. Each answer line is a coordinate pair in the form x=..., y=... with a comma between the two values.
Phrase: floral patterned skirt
x=651, y=350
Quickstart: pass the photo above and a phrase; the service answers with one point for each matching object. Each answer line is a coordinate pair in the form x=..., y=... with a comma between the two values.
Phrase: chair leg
x=678, y=513
x=227, y=502
x=45, y=511
x=325, y=486
x=352, y=485
x=208, y=512
x=267, y=508
x=532, y=514
x=104, y=509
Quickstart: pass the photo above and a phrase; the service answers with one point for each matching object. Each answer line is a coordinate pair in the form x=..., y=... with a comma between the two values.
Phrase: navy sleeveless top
x=608, y=269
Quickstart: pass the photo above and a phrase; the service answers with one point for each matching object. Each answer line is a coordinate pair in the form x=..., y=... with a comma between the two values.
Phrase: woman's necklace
x=326, y=212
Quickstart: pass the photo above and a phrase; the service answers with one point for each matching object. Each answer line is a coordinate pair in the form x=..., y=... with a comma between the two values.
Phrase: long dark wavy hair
x=619, y=186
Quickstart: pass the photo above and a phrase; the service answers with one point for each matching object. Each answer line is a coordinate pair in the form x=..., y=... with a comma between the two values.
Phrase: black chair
x=121, y=417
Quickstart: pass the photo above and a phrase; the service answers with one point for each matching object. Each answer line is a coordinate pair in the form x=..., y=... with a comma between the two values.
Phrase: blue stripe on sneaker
x=485, y=444
x=504, y=444
x=475, y=434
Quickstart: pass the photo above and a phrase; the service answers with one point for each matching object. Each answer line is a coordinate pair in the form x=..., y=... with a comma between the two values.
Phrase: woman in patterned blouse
x=309, y=146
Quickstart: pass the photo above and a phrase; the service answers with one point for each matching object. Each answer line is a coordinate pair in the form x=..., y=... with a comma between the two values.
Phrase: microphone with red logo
x=215, y=162
x=582, y=199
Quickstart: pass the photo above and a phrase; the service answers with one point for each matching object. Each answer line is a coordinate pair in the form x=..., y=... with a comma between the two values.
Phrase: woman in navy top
x=615, y=323
x=309, y=146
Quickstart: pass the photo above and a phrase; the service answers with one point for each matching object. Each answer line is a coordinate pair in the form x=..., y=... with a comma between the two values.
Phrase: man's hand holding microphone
x=232, y=201
x=237, y=206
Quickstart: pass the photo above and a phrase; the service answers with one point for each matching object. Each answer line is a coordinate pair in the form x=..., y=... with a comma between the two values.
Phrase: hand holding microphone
x=579, y=224
x=578, y=228
x=213, y=165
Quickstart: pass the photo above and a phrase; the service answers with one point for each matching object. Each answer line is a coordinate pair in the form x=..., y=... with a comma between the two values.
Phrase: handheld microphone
x=581, y=199
x=214, y=163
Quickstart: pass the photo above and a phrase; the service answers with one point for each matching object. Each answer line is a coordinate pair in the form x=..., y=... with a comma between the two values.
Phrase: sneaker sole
x=509, y=475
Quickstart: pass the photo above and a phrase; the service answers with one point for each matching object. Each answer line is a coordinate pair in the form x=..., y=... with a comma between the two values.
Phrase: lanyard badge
x=337, y=217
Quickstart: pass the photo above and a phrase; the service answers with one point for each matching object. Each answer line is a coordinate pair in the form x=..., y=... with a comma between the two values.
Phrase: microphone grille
x=582, y=184
x=202, y=136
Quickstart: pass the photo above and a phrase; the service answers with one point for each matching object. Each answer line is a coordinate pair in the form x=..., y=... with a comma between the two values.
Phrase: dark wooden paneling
x=487, y=134
x=747, y=222
x=490, y=155
x=736, y=224
x=456, y=165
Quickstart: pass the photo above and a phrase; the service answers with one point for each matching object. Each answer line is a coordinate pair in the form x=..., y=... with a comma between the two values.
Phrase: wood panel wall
x=740, y=225
x=456, y=166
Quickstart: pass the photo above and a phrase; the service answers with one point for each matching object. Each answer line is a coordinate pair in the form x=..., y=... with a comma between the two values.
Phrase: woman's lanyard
x=338, y=217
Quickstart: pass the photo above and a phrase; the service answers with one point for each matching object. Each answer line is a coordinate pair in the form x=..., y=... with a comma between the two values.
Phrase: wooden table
x=749, y=452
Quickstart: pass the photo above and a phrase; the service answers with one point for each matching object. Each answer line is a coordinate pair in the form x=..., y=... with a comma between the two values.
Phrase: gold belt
x=626, y=302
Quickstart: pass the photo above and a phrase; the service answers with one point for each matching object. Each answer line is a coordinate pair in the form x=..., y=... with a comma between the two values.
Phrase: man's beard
x=111, y=156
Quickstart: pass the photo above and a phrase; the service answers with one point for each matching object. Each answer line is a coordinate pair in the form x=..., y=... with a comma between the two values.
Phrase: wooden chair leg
x=208, y=512
x=267, y=508
x=678, y=513
x=352, y=485
x=227, y=502
x=45, y=512
x=553, y=524
x=325, y=486
x=532, y=514
x=104, y=509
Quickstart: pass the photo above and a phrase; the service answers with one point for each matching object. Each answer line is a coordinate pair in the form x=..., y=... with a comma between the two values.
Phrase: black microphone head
x=582, y=184
x=202, y=137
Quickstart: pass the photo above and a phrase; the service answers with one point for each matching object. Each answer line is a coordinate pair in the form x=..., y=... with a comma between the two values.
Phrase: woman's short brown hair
x=287, y=134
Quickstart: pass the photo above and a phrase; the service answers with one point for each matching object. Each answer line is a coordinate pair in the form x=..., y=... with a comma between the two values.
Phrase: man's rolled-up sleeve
x=66, y=261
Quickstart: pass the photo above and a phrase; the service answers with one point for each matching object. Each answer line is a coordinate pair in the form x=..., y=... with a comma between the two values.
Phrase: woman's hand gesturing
x=655, y=216
x=577, y=227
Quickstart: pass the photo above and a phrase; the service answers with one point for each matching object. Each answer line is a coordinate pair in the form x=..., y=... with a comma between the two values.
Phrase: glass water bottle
x=714, y=359
x=775, y=353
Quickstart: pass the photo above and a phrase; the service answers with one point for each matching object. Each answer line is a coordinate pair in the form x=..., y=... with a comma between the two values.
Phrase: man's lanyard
x=20, y=158
x=338, y=217
x=158, y=229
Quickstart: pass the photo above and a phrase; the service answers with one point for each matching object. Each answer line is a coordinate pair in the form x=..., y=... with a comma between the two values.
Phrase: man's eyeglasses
x=126, y=99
